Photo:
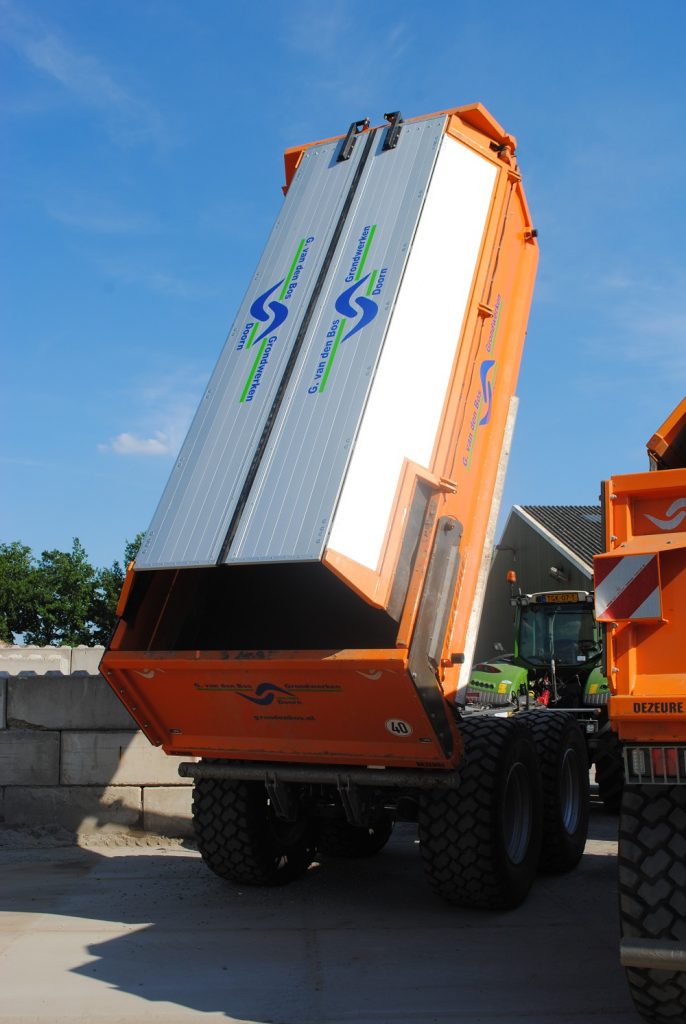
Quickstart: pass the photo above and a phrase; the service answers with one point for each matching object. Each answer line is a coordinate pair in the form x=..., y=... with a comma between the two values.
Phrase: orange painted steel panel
x=347, y=707
x=667, y=446
x=474, y=117
x=645, y=514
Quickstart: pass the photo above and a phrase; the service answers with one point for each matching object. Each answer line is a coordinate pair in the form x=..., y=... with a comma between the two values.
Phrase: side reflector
x=627, y=588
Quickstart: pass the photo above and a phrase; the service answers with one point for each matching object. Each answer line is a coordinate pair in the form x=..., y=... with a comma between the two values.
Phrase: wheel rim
x=517, y=812
x=570, y=796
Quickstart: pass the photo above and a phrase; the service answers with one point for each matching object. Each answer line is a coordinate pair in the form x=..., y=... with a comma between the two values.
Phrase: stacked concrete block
x=86, y=659
x=40, y=660
x=64, y=702
x=29, y=758
x=115, y=758
x=71, y=755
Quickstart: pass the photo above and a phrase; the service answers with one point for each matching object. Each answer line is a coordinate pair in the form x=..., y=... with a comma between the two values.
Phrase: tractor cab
x=557, y=627
x=557, y=656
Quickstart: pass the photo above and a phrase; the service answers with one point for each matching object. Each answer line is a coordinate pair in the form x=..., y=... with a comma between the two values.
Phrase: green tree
x=16, y=589
x=64, y=584
x=61, y=598
x=109, y=582
x=132, y=547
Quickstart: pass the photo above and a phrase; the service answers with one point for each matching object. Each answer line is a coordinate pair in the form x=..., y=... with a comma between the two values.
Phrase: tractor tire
x=609, y=772
x=341, y=839
x=561, y=748
x=480, y=843
x=240, y=838
x=652, y=892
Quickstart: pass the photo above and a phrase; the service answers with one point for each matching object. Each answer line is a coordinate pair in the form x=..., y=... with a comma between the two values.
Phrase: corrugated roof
x=578, y=527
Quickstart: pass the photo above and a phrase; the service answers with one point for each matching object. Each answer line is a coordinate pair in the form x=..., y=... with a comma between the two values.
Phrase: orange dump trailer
x=302, y=611
x=640, y=593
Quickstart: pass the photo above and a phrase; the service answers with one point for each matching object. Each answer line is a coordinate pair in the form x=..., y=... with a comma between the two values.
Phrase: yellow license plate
x=561, y=598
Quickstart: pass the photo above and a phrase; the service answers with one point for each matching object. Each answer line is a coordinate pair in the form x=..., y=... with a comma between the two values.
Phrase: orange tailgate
x=333, y=708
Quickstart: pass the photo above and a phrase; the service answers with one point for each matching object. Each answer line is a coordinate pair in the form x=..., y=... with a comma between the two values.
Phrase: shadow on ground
x=351, y=941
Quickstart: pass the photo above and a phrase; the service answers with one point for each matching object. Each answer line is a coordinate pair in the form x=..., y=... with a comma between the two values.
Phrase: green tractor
x=556, y=664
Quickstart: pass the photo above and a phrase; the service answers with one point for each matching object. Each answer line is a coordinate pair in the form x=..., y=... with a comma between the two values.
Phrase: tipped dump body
x=318, y=549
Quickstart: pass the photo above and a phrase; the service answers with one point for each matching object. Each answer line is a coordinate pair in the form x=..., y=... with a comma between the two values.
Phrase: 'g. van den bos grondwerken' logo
x=483, y=400
x=355, y=307
x=267, y=317
x=267, y=693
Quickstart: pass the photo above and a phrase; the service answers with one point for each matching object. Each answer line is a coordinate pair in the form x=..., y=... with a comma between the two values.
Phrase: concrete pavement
x=123, y=933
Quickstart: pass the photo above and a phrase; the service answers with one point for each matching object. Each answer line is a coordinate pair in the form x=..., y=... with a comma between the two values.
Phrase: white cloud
x=326, y=31
x=164, y=409
x=315, y=28
x=129, y=119
x=101, y=220
x=157, y=280
x=130, y=444
x=647, y=324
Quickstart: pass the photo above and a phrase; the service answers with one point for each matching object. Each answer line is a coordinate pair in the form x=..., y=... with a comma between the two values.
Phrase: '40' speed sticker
x=397, y=727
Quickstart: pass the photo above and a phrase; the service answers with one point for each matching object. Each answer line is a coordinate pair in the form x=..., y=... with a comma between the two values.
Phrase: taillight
x=665, y=761
x=656, y=765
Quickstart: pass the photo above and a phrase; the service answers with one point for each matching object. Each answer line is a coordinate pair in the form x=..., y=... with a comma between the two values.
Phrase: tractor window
x=557, y=631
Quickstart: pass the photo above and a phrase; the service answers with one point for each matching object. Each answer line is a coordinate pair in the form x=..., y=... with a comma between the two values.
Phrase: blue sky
x=142, y=172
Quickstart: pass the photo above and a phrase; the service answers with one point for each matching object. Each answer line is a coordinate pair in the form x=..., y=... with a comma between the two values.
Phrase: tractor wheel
x=481, y=842
x=241, y=839
x=561, y=748
x=652, y=892
x=609, y=772
x=341, y=839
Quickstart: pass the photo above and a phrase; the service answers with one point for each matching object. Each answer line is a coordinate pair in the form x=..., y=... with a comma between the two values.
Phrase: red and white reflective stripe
x=627, y=587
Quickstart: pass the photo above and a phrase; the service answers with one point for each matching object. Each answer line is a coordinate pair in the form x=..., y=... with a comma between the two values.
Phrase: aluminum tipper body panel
x=292, y=504
x=259, y=476
x=192, y=521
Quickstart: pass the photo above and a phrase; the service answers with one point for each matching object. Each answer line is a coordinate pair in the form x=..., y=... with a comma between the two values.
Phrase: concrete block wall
x=71, y=755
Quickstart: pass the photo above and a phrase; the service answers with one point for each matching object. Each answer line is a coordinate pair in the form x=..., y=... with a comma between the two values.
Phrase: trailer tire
x=240, y=838
x=480, y=842
x=609, y=772
x=341, y=839
x=652, y=891
x=561, y=748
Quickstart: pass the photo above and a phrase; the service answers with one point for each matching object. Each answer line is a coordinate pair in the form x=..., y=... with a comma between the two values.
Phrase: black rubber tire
x=240, y=838
x=561, y=748
x=652, y=891
x=341, y=839
x=481, y=842
x=609, y=771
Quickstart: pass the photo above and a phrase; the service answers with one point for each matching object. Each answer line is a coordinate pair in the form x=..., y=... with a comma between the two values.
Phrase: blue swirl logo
x=277, y=312
x=366, y=307
x=486, y=389
x=264, y=694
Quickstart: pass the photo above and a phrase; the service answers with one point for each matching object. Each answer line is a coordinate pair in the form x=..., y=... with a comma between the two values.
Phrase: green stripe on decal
x=365, y=253
x=372, y=279
x=332, y=354
x=254, y=369
x=497, y=325
x=289, y=275
x=252, y=334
